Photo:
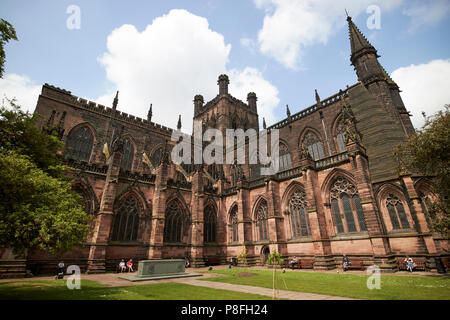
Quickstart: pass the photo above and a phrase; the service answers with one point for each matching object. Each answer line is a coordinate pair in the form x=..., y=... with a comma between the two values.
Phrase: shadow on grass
x=90, y=290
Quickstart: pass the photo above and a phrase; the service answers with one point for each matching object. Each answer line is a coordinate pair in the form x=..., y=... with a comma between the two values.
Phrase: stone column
x=158, y=212
x=197, y=223
x=321, y=242
x=421, y=223
x=103, y=224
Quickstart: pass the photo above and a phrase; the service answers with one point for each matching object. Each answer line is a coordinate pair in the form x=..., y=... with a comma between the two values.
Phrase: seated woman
x=345, y=262
x=130, y=265
x=122, y=267
x=187, y=264
x=293, y=262
x=409, y=264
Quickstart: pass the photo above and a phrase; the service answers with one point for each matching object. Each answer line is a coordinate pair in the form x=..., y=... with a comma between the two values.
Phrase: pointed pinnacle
x=288, y=112
x=179, y=122
x=116, y=100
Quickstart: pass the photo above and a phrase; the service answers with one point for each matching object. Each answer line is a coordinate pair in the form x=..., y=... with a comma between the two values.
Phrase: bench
x=419, y=264
x=212, y=261
x=446, y=263
x=303, y=263
x=356, y=263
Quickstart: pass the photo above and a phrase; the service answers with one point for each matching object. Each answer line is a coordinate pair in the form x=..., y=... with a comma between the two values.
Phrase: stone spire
x=179, y=122
x=317, y=98
x=288, y=112
x=359, y=44
x=264, y=123
x=116, y=101
x=149, y=114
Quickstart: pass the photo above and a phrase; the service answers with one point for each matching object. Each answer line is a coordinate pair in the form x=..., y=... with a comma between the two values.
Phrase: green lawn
x=393, y=287
x=57, y=290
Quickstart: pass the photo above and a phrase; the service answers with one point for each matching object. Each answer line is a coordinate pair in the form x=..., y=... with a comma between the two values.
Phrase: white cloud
x=291, y=25
x=22, y=89
x=251, y=79
x=427, y=13
x=167, y=64
x=424, y=88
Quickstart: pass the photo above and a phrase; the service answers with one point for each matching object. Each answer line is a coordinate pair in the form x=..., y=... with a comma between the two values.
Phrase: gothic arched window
x=314, y=145
x=156, y=157
x=340, y=137
x=175, y=222
x=79, y=144
x=261, y=221
x=236, y=174
x=285, y=157
x=234, y=225
x=210, y=223
x=299, y=215
x=345, y=198
x=128, y=155
x=397, y=213
x=425, y=203
x=126, y=221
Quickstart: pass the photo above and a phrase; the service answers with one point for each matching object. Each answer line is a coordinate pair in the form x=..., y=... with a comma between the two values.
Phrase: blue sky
x=280, y=49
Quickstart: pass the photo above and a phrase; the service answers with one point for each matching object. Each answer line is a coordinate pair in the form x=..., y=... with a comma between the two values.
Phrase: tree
x=428, y=153
x=38, y=208
x=7, y=33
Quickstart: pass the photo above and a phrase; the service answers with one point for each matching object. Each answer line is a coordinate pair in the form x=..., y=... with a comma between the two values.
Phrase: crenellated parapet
x=65, y=96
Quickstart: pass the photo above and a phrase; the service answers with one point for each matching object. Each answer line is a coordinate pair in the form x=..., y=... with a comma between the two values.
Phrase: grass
x=90, y=290
x=393, y=287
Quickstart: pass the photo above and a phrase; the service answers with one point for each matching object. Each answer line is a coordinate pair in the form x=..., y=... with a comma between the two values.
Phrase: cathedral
x=338, y=190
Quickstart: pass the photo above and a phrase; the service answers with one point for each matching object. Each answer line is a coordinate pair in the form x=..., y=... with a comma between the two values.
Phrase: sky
x=165, y=52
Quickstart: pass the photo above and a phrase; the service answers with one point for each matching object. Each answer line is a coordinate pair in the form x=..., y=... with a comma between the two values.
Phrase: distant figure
x=60, y=270
x=122, y=267
x=409, y=264
x=345, y=262
x=130, y=265
x=187, y=264
x=293, y=262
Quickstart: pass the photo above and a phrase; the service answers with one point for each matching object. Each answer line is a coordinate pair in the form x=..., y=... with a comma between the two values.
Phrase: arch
x=261, y=215
x=129, y=151
x=90, y=200
x=156, y=154
x=209, y=223
x=176, y=221
x=338, y=133
x=346, y=211
x=80, y=142
x=305, y=131
x=313, y=141
x=426, y=198
x=233, y=218
x=127, y=219
x=394, y=207
x=144, y=207
x=325, y=189
x=285, y=161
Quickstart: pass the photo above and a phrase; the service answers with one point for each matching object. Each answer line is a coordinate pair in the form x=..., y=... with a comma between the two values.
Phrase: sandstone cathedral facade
x=339, y=189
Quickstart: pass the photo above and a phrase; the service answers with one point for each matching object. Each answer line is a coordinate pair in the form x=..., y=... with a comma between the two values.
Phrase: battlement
x=305, y=112
x=62, y=95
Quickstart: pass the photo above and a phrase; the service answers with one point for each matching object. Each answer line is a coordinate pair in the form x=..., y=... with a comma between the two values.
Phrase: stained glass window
x=126, y=221
x=79, y=144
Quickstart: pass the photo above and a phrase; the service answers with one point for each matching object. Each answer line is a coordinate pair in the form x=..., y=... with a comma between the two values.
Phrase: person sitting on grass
x=60, y=270
x=130, y=265
x=122, y=267
x=345, y=262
